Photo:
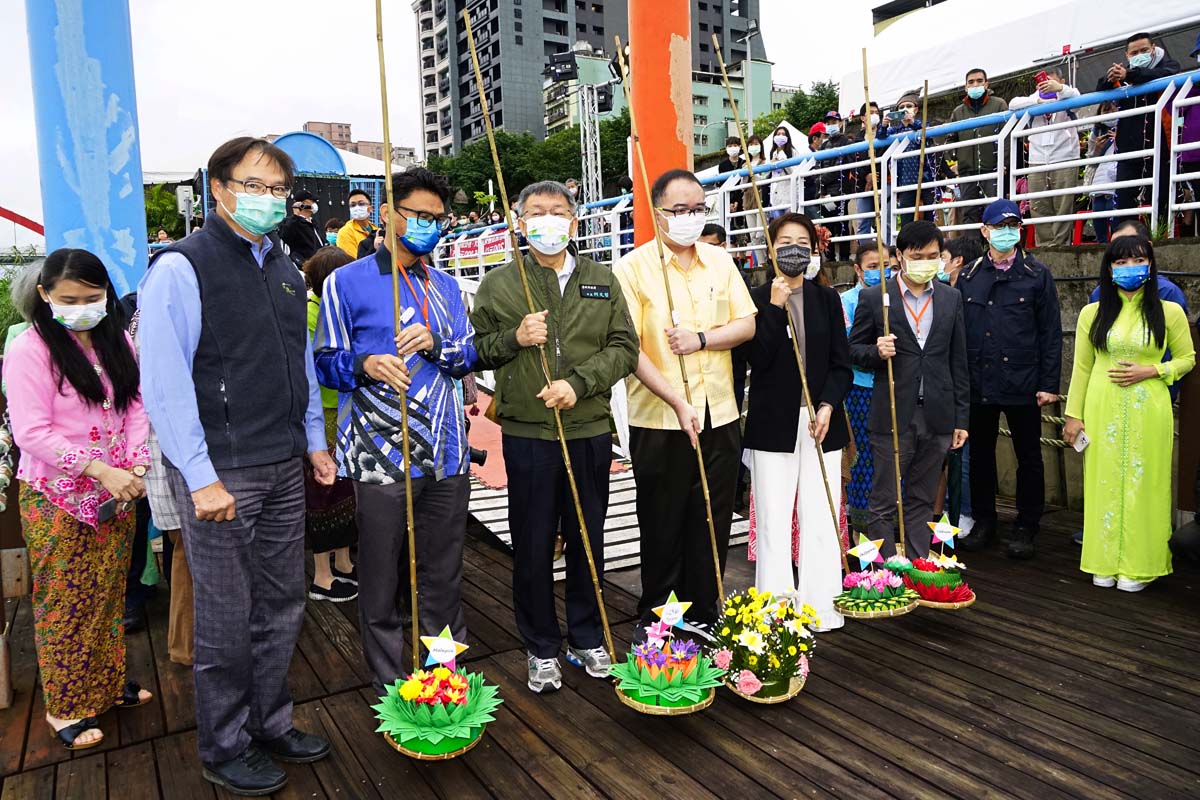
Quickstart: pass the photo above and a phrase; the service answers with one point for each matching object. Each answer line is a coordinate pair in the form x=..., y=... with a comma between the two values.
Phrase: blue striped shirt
x=356, y=321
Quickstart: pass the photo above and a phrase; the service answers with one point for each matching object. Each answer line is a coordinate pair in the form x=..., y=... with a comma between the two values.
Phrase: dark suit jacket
x=776, y=394
x=943, y=362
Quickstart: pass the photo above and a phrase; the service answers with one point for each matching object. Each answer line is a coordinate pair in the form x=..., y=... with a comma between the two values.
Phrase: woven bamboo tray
x=794, y=687
x=432, y=757
x=666, y=711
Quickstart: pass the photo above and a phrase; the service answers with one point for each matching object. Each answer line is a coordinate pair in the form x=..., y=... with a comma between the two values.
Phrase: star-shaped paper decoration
x=866, y=551
x=671, y=613
x=943, y=531
x=442, y=649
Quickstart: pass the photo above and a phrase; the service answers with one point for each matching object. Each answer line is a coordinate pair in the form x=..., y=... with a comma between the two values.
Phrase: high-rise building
x=514, y=39
x=336, y=133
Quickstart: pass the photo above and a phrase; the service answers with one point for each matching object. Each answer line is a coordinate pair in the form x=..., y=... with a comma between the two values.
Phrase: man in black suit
x=928, y=350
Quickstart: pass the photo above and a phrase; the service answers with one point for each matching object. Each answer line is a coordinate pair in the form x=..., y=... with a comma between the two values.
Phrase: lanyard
x=424, y=301
x=917, y=315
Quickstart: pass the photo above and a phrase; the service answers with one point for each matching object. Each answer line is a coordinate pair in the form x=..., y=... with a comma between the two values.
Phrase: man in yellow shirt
x=359, y=226
x=713, y=314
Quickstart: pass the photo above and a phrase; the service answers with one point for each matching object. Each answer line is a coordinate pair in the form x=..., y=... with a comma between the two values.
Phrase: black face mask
x=793, y=259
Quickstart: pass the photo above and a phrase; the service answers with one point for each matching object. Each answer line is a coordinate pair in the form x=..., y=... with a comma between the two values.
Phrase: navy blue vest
x=248, y=369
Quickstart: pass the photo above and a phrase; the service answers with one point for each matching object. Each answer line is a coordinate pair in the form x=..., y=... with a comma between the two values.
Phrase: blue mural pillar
x=81, y=53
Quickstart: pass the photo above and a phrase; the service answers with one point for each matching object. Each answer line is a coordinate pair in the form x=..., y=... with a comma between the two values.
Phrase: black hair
x=968, y=248
x=762, y=150
x=230, y=154
x=662, y=182
x=416, y=179
x=68, y=361
x=980, y=70
x=1139, y=227
x=787, y=150
x=1110, y=299
x=916, y=234
x=1137, y=37
x=625, y=182
x=333, y=224
x=862, y=110
x=730, y=140
x=354, y=192
x=794, y=218
x=713, y=229
x=318, y=266
x=863, y=249
x=162, y=230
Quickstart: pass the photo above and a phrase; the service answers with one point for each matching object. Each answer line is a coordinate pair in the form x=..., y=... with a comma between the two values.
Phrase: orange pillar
x=660, y=75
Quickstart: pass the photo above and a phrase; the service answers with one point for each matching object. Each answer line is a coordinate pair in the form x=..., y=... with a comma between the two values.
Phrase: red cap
x=817, y=128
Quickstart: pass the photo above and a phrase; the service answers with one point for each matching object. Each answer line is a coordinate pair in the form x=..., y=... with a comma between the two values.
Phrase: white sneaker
x=1130, y=585
x=595, y=660
x=545, y=675
x=1104, y=581
x=965, y=524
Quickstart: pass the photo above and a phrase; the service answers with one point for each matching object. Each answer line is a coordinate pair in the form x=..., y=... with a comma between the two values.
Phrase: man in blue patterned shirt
x=359, y=353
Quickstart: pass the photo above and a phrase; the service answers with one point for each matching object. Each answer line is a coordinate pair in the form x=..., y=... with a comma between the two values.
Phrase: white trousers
x=784, y=482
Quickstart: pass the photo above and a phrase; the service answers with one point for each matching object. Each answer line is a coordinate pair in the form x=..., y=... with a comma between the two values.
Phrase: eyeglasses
x=684, y=211
x=443, y=221
x=256, y=188
x=1012, y=223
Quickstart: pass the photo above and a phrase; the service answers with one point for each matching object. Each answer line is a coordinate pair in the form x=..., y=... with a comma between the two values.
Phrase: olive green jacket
x=591, y=344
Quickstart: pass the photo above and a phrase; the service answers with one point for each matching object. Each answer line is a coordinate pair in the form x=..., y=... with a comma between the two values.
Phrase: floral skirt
x=858, y=490
x=78, y=605
x=329, y=523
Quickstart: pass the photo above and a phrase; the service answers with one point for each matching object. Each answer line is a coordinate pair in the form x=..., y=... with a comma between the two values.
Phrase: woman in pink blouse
x=77, y=417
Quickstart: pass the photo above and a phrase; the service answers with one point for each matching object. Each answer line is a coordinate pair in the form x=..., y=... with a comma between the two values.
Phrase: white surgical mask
x=80, y=318
x=685, y=230
x=832, y=130
x=732, y=152
x=548, y=234
x=874, y=120
x=359, y=212
x=754, y=150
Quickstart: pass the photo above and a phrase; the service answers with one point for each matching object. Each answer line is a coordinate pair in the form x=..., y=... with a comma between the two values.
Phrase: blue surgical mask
x=331, y=237
x=258, y=214
x=832, y=130
x=1132, y=277
x=1140, y=60
x=420, y=237
x=871, y=277
x=976, y=92
x=943, y=276
x=1004, y=239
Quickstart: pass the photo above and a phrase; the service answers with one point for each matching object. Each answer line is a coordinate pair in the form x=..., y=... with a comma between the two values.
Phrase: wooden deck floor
x=1047, y=688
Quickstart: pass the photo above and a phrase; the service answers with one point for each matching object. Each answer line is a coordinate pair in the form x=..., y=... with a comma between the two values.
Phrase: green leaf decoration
x=406, y=721
x=678, y=691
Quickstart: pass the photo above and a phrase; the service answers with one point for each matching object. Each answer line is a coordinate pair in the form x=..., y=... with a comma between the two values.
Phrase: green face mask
x=258, y=214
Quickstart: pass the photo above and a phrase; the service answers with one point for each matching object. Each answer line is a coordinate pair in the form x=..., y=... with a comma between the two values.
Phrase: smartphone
x=1081, y=442
x=1042, y=76
x=107, y=510
x=895, y=116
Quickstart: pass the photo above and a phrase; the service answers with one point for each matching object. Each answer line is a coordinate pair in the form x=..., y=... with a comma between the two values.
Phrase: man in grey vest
x=229, y=383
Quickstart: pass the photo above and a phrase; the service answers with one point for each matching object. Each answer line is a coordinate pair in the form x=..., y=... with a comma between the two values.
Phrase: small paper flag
x=671, y=613
x=442, y=649
x=866, y=551
x=943, y=531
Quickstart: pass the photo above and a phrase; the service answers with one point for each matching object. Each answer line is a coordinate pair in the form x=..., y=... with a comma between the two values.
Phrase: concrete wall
x=1075, y=271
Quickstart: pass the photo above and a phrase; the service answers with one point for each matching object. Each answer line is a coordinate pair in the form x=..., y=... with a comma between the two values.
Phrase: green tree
x=161, y=211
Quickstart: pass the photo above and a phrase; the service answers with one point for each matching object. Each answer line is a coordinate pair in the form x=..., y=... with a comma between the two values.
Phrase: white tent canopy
x=942, y=42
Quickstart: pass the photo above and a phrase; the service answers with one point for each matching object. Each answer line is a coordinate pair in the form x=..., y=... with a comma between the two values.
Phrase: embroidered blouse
x=60, y=434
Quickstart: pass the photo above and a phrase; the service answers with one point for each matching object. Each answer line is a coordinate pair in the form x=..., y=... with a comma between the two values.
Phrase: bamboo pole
x=687, y=389
x=545, y=363
x=921, y=158
x=404, y=437
x=793, y=334
x=887, y=331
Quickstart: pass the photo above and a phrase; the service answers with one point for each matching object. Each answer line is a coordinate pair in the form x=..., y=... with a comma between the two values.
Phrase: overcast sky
x=212, y=70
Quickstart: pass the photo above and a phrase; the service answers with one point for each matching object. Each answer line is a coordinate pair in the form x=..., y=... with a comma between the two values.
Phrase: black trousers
x=975, y=190
x=384, y=591
x=1135, y=169
x=539, y=505
x=136, y=593
x=1025, y=423
x=676, y=548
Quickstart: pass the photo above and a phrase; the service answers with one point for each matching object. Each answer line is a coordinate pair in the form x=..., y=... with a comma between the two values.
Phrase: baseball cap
x=832, y=115
x=302, y=194
x=818, y=127
x=999, y=211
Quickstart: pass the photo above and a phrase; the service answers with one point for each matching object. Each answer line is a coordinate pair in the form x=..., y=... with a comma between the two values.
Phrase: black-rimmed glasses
x=257, y=188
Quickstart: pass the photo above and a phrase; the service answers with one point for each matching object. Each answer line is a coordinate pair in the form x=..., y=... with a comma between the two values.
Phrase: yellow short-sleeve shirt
x=708, y=295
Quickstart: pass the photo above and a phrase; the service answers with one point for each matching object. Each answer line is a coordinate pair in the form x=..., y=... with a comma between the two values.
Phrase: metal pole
x=921, y=158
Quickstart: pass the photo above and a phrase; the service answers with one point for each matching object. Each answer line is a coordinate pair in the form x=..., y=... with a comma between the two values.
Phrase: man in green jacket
x=590, y=344
x=979, y=158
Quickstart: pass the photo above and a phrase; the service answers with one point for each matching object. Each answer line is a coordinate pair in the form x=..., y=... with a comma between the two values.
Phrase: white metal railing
x=1178, y=147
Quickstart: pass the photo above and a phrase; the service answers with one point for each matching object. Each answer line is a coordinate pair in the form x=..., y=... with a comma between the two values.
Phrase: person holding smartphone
x=77, y=416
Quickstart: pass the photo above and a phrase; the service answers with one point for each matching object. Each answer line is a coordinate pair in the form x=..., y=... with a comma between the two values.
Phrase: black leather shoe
x=295, y=747
x=135, y=619
x=1021, y=546
x=252, y=774
x=980, y=536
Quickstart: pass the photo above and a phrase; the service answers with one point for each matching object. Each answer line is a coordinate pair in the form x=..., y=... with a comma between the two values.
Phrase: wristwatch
x=139, y=471
x=703, y=340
